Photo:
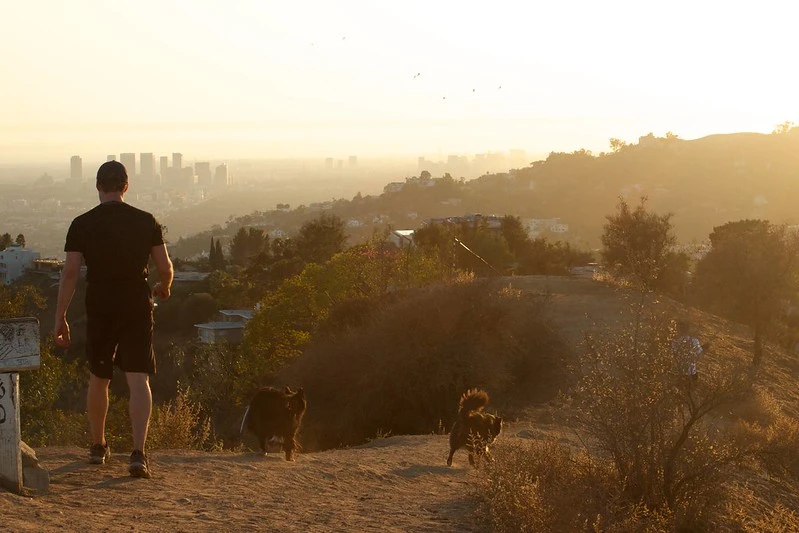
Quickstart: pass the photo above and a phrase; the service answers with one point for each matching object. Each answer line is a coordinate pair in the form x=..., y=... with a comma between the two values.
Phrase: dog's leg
x=288, y=447
x=262, y=442
x=449, y=459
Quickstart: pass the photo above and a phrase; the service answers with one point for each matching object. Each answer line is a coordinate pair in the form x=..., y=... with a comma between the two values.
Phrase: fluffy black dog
x=474, y=429
x=276, y=414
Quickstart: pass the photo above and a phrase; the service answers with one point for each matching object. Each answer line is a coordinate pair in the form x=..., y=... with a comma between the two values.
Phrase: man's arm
x=66, y=289
x=163, y=264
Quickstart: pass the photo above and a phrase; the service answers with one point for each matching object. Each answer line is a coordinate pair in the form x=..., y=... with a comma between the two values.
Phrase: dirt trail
x=394, y=484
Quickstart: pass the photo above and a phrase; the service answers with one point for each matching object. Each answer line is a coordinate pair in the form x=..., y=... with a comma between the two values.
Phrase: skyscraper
x=177, y=162
x=203, y=172
x=129, y=160
x=221, y=176
x=147, y=161
x=76, y=168
x=111, y=157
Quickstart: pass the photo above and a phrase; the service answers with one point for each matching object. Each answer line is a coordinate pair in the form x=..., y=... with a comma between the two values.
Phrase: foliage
x=636, y=243
x=196, y=308
x=246, y=244
x=43, y=420
x=634, y=401
x=179, y=424
x=749, y=272
x=400, y=362
x=5, y=241
x=20, y=301
x=546, y=486
x=321, y=238
x=20, y=240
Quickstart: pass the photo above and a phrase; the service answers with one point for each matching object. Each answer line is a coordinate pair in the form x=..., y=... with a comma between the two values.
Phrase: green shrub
x=402, y=368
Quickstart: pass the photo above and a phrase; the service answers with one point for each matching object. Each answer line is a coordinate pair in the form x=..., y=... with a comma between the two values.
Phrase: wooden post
x=19, y=350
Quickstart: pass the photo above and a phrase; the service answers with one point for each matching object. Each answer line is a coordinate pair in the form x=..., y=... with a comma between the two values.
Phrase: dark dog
x=474, y=429
x=276, y=414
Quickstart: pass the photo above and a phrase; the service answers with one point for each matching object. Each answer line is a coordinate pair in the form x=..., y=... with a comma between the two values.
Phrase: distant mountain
x=704, y=182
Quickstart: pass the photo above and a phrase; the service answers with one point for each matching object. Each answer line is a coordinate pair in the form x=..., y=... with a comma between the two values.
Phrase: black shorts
x=119, y=329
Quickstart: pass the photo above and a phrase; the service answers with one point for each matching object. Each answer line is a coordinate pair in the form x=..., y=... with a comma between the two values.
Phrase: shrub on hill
x=400, y=367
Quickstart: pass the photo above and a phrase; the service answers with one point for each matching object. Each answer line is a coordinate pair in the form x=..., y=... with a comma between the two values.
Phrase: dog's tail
x=472, y=400
x=244, y=420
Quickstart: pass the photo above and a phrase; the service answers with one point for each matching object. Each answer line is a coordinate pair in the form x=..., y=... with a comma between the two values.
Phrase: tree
x=20, y=240
x=5, y=241
x=748, y=273
x=784, y=127
x=320, y=239
x=219, y=256
x=246, y=244
x=212, y=255
x=617, y=144
x=636, y=243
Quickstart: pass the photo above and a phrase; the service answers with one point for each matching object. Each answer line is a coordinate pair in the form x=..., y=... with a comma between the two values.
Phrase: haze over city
x=251, y=79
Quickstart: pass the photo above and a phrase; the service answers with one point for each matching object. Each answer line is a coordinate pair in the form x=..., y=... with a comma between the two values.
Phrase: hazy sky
x=245, y=78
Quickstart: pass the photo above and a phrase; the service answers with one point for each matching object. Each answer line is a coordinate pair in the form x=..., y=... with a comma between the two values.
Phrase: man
x=116, y=241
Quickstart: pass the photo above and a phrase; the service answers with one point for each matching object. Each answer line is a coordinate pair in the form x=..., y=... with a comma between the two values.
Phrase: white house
x=401, y=237
x=14, y=260
x=230, y=327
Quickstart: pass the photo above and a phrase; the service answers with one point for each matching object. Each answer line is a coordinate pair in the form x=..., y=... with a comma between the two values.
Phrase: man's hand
x=161, y=292
x=61, y=333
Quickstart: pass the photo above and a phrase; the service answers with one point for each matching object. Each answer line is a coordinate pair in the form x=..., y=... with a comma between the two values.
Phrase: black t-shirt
x=115, y=239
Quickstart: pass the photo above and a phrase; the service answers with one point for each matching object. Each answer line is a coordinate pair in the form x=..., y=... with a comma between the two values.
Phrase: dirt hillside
x=400, y=483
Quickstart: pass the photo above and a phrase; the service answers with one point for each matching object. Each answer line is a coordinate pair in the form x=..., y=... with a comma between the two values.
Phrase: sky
x=258, y=78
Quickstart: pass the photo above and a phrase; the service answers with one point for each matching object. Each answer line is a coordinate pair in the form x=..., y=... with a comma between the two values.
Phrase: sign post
x=19, y=351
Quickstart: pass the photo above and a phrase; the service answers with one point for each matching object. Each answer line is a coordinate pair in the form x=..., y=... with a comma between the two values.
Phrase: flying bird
x=417, y=75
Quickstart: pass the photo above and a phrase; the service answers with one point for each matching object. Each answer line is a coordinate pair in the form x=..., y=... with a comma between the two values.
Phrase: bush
x=650, y=420
x=544, y=486
x=403, y=368
x=179, y=424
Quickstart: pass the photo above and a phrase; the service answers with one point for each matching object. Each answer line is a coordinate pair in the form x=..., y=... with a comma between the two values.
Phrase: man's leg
x=97, y=407
x=140, y=406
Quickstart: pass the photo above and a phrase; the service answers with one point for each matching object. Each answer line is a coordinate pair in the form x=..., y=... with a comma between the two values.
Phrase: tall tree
x=637, y=242
x=20, y=240
x=219, y=256
x=5, y=241
x=750, y=271
x=239, y=247
x=321, y=238
x=212, y=261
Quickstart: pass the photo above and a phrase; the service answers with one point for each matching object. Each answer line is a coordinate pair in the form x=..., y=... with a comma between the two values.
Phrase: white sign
x=10, y=452
x=19, y=344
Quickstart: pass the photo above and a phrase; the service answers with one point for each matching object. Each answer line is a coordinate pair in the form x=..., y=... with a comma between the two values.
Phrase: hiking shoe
x=138, y=465
x=99, y=454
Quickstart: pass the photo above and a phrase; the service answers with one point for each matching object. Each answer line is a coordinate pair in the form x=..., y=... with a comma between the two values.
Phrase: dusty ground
x=396, y=484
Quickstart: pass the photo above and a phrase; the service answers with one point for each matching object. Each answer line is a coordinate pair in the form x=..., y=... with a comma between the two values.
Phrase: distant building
x=329, y=163
x=229, y=327
x=177, y=161
x=14, y=260
x=221, y=175
x=163, y=167
x=203, y=172
x=353, y=161
x=147, y=161
x=111, y=157
x=129, y=160
x=401, y=237
x=76, y=168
